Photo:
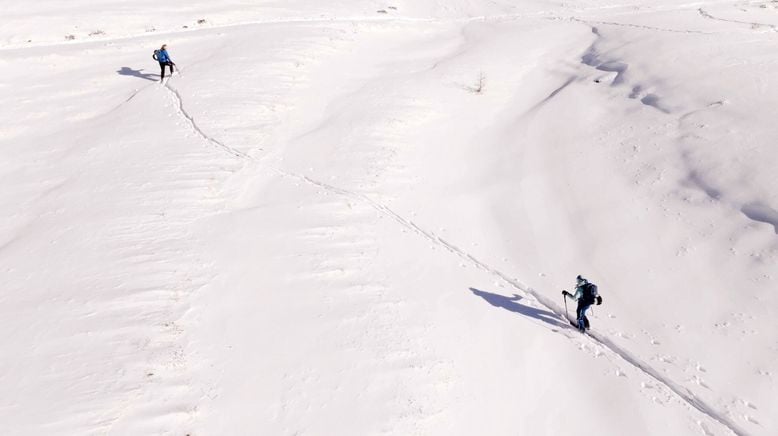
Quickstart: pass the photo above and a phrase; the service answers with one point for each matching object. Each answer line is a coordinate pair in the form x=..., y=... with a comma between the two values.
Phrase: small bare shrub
x=480, y=84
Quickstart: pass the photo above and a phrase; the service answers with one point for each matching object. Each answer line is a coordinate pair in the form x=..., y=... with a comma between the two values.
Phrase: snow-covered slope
x=356, y=218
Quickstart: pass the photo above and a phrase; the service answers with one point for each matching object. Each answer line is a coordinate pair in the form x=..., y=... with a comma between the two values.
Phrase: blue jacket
x=163, y=57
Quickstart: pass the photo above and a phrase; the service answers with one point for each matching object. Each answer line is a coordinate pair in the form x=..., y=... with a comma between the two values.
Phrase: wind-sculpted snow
x=356, y=218
x=762, y=213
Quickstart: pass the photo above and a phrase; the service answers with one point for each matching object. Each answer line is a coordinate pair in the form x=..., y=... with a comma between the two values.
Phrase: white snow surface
x=357, y=217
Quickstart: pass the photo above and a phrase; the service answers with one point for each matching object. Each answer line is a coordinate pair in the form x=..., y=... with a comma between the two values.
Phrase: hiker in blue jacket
x=585, y=294
x=164, y=60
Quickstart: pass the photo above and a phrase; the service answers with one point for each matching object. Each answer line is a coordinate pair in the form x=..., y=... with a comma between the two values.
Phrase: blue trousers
x=580, y=312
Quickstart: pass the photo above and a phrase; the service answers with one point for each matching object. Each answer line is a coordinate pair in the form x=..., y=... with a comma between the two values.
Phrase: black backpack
x=155, y=56
x=590, y=293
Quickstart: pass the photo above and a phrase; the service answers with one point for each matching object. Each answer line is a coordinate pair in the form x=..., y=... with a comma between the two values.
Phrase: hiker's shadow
x=512, y=304
x=127, y=71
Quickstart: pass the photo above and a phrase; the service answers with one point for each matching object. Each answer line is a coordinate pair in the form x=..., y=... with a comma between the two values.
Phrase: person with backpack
x=164, y=60
x=585, y=294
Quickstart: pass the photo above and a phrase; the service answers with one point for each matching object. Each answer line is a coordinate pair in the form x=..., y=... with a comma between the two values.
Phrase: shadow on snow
x=512, y=304
x=127, y=71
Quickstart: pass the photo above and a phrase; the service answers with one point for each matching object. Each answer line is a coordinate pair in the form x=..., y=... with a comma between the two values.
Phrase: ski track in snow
x=216, y=143
x=683, y=394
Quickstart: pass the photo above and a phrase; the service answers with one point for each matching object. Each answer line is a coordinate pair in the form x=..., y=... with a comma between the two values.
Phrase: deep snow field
x=355, y=218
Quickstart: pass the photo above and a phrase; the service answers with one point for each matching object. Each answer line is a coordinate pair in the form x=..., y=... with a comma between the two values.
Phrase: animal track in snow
x=699, y=381
x=640, y=26
x=748, y=404
x=665, y=358
x=754, y=25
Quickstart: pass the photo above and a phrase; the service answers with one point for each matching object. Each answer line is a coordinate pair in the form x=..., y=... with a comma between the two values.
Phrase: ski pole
x=567, y=315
